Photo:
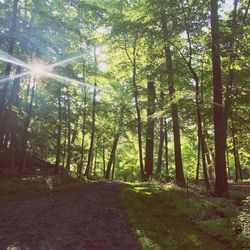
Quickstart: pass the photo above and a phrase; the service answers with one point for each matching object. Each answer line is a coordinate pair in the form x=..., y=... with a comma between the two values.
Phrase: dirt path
x=83, y=217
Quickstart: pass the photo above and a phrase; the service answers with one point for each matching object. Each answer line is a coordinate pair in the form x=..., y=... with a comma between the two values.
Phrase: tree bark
x=138, y=112
x=5, y=87
x=83, y=132
x=59, y=128
x=179, y=175
x=149, y=157
x=198, y=161
x=26, y=123
x=112, y=155
x=161, y=142
x=69, y=135
x=87, y=171
x=113, y=171
x=166, y=148
x=229, y=92
x=221, y=185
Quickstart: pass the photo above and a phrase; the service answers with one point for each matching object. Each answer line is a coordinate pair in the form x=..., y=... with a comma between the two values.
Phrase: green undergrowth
x=162, y=218
x=35, y=185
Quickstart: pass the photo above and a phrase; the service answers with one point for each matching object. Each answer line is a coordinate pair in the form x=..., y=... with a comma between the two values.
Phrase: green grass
x=161, y=219
x=36, y=185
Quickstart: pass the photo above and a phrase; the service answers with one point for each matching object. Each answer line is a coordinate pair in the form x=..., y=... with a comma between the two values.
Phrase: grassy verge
x=37, y=185
x=161, y=219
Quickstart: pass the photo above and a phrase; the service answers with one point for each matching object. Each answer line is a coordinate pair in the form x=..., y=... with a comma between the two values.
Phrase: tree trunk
x=229, y=90
x=112, y=155
x=103, y=160
x=198, y=161
x=87, y=171
x=83, y=131
x=138, y=112
x=166, y=148
x=4, y=88
x=59, y=128
x=161, y=142
x=95, y=164
x=149, y=157
x=69, y=136
x=209, y=162
x=14, y=101
x=238, y=173
x=26, y=124
x=221, y=185
x=113, y=171
x=179, y=175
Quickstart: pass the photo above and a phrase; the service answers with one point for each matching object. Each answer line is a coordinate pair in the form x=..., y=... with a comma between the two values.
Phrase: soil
x=87, y=216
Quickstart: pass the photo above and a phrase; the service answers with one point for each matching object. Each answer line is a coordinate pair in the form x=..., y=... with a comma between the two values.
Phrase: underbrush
x=163, y=218
x=35, y=185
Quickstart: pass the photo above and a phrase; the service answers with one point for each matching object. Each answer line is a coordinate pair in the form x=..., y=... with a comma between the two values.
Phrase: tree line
x=160, y=89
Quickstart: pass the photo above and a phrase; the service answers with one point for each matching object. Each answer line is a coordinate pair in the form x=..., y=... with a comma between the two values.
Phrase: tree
x=149, y=157
x=221, y=186
x=174, y=108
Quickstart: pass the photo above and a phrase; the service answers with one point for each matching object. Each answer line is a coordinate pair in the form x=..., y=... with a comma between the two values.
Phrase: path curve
x=87, y=216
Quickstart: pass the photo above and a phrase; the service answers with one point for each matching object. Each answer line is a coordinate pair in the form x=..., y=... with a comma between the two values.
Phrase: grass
x=161, y=219
x=35, y=185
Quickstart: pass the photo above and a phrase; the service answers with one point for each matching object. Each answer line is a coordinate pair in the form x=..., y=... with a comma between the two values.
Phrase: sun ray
x=68, y=81
x=65, y=61
x=10, y=59
x=26, y=73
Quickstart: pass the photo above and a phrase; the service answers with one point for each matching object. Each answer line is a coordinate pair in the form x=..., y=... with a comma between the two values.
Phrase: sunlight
x=37, y=69
x=5, y=57
x=65, y=61
x=67, y=81
x=14, y=77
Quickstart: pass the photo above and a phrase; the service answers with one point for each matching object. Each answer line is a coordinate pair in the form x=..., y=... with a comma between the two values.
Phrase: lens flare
x=37, y=69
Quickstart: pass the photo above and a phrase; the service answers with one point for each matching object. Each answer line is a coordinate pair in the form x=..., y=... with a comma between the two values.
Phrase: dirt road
x=83, y=217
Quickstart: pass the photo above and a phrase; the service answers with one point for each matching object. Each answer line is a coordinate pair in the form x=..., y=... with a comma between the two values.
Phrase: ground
x=87, y=216
x=59, y=212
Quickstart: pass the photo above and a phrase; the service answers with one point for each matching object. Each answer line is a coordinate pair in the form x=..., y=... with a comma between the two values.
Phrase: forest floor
x=86, y=216
x=163, y=218
x=63, y=213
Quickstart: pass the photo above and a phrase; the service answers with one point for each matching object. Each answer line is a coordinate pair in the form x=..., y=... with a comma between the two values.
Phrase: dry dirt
x=87, y=216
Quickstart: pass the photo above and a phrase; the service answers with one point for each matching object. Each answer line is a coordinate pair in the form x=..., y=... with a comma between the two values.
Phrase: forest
x=153, y=94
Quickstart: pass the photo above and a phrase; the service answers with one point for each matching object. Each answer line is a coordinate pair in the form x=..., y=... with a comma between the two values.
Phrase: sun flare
x=37, y=69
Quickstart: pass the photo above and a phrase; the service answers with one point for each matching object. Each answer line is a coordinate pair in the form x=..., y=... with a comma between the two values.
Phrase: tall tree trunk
x=87, y=171
x=103, y=160
x=69, y=135
x=238, y=173
x=112, y=155
x=221, y=185
x=159, y=160
x=179, y=175
x=198, y=161
x=161, y=142
x=59, y=128
x=229, y=90
x=139, y=123
x=95, y=163
x=83, y=131
x=113, y=171
x=4, y=88
x=14, y=101
x=26, y=123
x=200, y=132
x=149, y=157
x=166, y=148
x=209, y=162
x=64, y=141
